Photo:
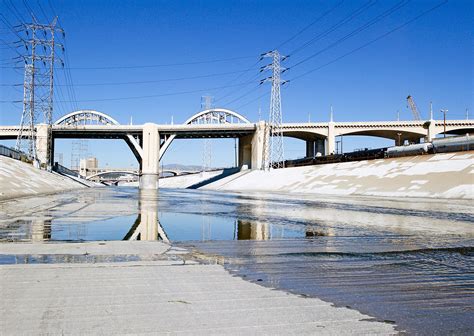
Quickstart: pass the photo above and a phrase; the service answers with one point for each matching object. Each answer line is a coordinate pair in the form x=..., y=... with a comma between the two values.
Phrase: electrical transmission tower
x=79, y=151
x=206, y=104
x=39, y=59
x=274, y=155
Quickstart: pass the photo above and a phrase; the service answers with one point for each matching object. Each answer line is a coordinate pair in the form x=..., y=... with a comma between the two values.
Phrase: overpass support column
x=431, y=133
x=331, y=139
x=310, y=148
x=150, y=160
x=44, y=145
x=320, y=146
x=251, y=148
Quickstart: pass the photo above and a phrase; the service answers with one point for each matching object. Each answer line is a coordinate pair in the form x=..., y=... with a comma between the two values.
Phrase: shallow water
x=408, y=261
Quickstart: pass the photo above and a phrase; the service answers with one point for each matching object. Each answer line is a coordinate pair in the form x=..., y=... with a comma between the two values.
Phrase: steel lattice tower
x=206, y=104
x=28, y=117
x=38, y=84
x=274, y=156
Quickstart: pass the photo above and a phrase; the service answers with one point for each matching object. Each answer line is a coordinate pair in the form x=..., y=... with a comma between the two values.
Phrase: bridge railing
x=63, y=170
x=13, y=153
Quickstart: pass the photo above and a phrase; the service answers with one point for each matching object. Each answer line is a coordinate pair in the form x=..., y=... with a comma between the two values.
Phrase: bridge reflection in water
x=91, y=217
x=41, y=229
x=147, y=226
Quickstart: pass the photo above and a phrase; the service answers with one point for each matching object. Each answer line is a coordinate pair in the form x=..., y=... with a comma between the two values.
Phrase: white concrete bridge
x=150, y=141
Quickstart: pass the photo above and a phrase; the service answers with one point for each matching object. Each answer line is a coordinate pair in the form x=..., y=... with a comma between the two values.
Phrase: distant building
x=88, y=166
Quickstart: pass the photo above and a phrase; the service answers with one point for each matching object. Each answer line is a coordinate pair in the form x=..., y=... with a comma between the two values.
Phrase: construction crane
x=414, y=109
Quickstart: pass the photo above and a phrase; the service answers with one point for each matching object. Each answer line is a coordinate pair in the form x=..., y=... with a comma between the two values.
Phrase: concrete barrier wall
x=435, y=176
x=18, y=179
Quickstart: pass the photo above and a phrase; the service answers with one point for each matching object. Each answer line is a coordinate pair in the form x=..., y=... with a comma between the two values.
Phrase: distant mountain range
x=190, y=168
x=177, y=166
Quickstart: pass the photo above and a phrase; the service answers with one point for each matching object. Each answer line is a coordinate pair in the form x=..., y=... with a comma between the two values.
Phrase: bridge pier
x=319, y=146
x=44, y=145
x=330, y=147
x=251, y=148
x=150, y=161
x=431, y=131
x=310, y=144
x=313, y=147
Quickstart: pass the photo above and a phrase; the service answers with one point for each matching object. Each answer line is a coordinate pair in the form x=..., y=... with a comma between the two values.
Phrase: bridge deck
x=225, y=130
x=181, y=131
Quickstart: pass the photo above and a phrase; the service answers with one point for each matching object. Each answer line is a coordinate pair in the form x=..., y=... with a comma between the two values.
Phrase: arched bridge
x=149, y=141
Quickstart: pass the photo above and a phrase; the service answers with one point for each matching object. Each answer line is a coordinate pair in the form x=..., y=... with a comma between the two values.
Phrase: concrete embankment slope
x=18, y=179
x=437, y=176
x=158, y=294
x=197, y=180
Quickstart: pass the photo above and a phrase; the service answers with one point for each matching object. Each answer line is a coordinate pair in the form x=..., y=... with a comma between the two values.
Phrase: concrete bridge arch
x=123, y=172
x=93, y=117
x=209, y=116
x=86, y=116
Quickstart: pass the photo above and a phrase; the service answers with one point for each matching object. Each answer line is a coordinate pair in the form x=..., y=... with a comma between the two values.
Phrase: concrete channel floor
x=156, y=297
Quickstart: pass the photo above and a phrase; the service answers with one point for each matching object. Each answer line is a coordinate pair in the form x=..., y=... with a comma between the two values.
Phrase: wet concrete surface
x=408, y=260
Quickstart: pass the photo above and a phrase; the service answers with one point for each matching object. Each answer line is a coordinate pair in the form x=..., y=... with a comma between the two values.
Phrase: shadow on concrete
x=226, y=172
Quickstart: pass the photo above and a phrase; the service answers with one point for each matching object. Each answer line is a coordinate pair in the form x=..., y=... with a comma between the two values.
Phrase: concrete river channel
x=403, y=261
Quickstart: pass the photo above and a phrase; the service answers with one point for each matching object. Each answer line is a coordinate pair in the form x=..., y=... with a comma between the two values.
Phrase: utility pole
x=444, y=111
x=38, y=87
x=274, y=157
x=206, y=104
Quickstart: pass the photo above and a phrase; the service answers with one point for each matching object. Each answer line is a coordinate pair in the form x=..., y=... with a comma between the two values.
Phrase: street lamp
x=444, y=114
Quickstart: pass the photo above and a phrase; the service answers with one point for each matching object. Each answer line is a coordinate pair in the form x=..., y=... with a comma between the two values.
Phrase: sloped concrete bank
x=157, y=294
x=19, y=179
x=434, y=176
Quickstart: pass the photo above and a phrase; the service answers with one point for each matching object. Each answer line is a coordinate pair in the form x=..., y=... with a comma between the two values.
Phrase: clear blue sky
x=430, y=58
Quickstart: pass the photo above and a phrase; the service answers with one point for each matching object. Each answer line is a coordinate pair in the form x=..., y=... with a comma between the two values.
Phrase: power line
x=322, y=16
x=71, y=92
x=42, y=11
x=13, y=10
x=356, y=31
x=253, y=89
x=372, y=41
x=253, y=100
x=161, y=65
x=251, y=80
x=29, y=9
x=144, y=96
x=334, y=27
x=345, y=20
x=150, y=81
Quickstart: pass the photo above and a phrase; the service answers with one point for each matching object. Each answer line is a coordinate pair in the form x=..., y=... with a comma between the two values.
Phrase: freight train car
x=453, y=144
x=414, y=149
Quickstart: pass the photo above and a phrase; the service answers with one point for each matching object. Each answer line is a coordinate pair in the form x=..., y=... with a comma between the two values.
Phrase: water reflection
x=40, y=229
x=129, y=214
x=247, y=230
x=147, y=226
